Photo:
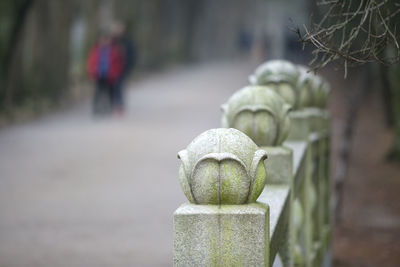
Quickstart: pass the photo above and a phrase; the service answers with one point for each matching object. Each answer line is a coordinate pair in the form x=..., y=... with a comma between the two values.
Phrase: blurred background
x=77, y=189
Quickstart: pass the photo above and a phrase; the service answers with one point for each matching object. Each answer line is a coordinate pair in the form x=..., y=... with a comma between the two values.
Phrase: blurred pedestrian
x=128, y=53
x=105, y=66
x=244, y=41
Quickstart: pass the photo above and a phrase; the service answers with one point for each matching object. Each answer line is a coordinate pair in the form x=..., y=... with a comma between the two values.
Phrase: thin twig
x=353, y=34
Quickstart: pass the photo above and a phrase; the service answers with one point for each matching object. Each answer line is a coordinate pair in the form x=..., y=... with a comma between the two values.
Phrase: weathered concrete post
x=316, y=129
x=260, y=113
x=308, y=94
x=312, y=116
x=282, y=77
x=302, y=89
x=222, y=174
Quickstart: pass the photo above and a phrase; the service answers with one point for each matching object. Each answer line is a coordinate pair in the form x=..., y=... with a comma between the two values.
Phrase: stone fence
x=259, y=188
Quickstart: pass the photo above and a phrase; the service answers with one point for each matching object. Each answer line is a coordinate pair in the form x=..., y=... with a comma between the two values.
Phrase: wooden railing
x=223, y=172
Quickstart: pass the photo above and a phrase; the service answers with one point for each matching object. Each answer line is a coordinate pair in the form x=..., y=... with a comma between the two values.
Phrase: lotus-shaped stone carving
x=222, y=166
x=260, y=113
x=280, y=75
x=306, y=85
x=321, y=92
x=313, y=89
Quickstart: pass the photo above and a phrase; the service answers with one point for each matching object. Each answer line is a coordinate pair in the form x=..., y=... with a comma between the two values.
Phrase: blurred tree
x=35, y=60
x=44, y=43
x=35, y=50
x=13, y=15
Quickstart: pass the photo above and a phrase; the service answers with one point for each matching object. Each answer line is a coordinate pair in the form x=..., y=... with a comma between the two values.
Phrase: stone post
x=281, y=76
x=222, y=174
x=260, y=113
x=263, y=115
x=315, y=119
x=308, y=94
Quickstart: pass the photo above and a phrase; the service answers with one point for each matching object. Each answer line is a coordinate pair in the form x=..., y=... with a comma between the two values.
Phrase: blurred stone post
x=314, y=121
x=308, y=94
x=222, y=174
x=260, y=113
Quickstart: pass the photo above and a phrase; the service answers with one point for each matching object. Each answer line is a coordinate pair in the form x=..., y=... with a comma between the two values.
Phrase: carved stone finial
x=260, y=113
x=305, y=86
x=222, y=166
x=321, y=92
x=280, y=75
x=294, y=83
x=313, y=89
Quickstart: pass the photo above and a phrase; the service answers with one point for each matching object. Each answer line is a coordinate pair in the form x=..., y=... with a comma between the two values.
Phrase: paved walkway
x=81, y=192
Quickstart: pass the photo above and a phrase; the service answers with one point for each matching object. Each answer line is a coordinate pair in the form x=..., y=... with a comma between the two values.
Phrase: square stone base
x=279, y=164
x=226, y=235
x=307, y=120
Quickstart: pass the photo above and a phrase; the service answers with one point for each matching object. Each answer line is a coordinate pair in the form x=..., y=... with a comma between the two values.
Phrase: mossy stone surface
x=222, y=166
x=296, y=84
x=226, y=235
x=260, y=113
x=306, y=121
x=313, y=89
x=279, y=165
x=282, y=76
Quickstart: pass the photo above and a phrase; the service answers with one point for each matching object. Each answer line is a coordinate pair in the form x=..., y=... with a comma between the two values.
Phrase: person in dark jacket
x=105, y=67
x=127, y=48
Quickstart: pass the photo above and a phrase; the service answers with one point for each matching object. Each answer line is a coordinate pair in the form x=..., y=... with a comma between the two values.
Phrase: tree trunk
x=394, y=85
x=10, y=52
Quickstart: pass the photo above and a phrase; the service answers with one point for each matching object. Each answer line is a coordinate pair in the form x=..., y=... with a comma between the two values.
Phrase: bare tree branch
x=353, y=33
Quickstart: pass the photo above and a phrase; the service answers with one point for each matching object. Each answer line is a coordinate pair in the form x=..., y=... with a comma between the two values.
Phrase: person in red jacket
x=105, y=67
